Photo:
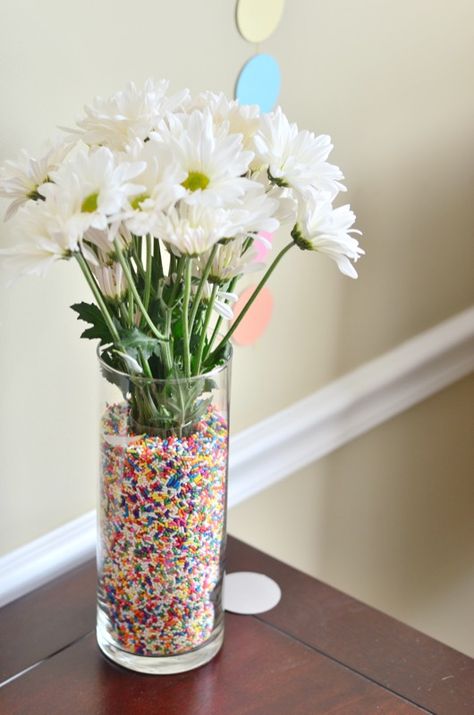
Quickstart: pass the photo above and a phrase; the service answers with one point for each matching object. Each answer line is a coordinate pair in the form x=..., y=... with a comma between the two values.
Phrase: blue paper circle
x=259, y=82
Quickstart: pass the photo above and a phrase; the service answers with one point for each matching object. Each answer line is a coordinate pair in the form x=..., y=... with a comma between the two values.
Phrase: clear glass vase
x=162, y=519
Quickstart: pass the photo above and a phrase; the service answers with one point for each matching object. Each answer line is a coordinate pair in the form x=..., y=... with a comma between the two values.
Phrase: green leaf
x=135, y=341
x=90, y=313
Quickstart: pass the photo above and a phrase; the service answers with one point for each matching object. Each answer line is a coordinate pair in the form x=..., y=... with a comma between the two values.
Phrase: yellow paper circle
x=257, y=19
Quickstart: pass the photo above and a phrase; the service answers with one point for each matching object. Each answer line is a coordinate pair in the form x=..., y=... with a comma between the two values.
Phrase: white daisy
x=192, y=229
x=229, y=261
x=133, y=112
x=21, y=179
x=327, y=230
x=92, y=189
x=213, y=160
x=162, y=186
x=239, y=118
x=223, y=301
x=102, y=240
x=296, y=159
x=44, y=239
x=287, y=203
x=257, y=212
x=111, y=279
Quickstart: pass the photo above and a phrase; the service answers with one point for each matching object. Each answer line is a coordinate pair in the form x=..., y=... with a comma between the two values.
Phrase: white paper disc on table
x=248, y=592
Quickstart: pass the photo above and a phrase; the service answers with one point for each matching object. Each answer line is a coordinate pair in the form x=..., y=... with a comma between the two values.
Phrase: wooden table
x=318, y=651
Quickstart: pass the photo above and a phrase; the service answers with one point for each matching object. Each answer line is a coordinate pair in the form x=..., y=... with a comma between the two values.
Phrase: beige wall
x=386, y=518
x=391, y=81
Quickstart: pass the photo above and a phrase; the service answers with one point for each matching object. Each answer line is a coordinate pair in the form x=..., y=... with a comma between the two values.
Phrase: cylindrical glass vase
x=162, y=519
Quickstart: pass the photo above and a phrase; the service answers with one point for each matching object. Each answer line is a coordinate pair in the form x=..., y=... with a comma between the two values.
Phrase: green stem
x=169, y=347
x=167, y=354
x=98, y=296
x=187, y=293
x=179, y=273
x=145, y=365
x=136, y=295
x=130, y=309
x=252, y=298
x=172, y=266
x=213, y=336
x=207, y=319
x=247, y=243
x=219, y=321
x=122, y=312
x=157, y=257
x=135, y=250
x=204, y=276
x=146, y=298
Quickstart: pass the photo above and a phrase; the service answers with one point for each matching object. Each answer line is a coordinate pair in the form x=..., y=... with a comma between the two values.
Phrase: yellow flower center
x=195, y=180
x=137, y=200
x=89, y=205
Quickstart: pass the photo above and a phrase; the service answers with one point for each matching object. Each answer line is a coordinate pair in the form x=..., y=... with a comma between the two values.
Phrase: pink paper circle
x=262, y=251
x=257, y=317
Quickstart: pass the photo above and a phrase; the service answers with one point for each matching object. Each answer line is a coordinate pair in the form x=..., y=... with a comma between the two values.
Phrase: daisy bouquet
x=160, y=200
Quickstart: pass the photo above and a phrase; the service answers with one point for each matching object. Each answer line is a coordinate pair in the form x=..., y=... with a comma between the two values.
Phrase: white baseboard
x=287, y=441
x=353, y=404
x=43, y=559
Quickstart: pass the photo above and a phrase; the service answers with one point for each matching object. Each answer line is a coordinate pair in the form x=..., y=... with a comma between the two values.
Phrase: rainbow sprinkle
x=163, y=507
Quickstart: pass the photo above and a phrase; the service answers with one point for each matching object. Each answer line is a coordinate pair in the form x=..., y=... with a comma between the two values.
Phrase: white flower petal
x=327, y=230
x=296, y=158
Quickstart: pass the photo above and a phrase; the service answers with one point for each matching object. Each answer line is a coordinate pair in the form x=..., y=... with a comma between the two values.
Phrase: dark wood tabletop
x=318, y=651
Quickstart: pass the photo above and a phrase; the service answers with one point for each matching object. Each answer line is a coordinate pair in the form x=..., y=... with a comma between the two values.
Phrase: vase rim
x=143, y=378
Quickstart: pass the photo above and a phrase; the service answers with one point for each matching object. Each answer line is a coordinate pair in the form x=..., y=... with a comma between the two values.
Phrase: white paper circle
x=248, y=592
x=257, y=19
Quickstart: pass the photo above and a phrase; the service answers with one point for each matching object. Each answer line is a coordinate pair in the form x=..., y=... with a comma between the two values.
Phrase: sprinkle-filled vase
x=162, y=519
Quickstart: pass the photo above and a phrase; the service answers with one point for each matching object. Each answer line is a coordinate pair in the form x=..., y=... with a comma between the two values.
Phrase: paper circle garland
x=247, y=592
x=259, y=82
x=257, y=19
x=257, y=318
